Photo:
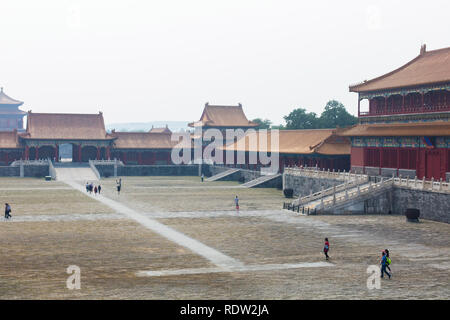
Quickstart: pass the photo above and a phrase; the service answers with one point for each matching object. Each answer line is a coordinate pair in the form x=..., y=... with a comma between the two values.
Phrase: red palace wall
x=431, y=163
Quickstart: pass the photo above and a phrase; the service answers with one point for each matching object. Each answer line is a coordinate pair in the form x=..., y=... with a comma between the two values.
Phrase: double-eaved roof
x=314, y=141
x=7, y=100
x=223, y=116
x=428, y=68
x=9, y=140
x=65, y=126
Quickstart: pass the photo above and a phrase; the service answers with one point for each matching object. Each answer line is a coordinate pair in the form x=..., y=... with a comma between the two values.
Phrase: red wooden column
x=56, y=153
x=168, y=158
x=403, y=103
x=385, y=105
x=6, y=157
x=381, y=159
x=108, y=152
x=79, y=153
x=27, y=152
x=359, y=112
x=398, y=161
x=423, y=106
x=98, y=153
x=139, y=157
x=124, y=157
x=36, y=149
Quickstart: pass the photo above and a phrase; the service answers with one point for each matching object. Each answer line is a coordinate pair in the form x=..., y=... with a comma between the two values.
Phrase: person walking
x=388, y=261
x=236, y=201
x=203, y=177
x=383, y=265
x=7, y=211
x=326, y=248
x=95, y=190
x=119, y=186
x=99, y=188
x=87, y=186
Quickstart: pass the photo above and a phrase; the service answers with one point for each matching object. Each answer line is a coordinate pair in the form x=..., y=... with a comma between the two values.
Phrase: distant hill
x=174, y=126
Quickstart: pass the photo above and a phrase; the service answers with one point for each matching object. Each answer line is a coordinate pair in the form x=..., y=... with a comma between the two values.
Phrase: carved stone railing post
x=321, y=200
x=346, y=192
x=334, y=195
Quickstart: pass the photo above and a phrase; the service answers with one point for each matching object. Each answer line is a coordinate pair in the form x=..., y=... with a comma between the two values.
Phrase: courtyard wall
x=29, y=170
x=107, y=170
x=302, y=186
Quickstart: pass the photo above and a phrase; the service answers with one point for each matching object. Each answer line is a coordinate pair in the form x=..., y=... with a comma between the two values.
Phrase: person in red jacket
x=326, y=248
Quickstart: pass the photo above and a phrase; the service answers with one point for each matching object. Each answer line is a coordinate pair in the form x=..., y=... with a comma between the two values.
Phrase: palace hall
x=406, y=128
x=81, y=137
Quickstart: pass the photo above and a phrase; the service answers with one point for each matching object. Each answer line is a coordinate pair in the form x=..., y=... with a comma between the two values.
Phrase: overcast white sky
x=141, y=61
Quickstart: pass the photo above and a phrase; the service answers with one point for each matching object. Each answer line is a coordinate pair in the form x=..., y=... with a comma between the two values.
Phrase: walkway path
x=214, y=256
x=83, y=174
x=222, y=262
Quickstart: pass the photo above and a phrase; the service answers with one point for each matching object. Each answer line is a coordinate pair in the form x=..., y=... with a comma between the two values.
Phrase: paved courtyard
x=178, y=238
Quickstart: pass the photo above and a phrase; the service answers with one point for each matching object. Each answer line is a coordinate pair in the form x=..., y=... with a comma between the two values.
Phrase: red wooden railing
x=406, y=110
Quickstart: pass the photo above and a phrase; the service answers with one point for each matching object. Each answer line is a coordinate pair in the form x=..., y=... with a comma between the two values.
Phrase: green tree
x=300, y=119
x=335, y=115
x=279, y=127
x=263, y=124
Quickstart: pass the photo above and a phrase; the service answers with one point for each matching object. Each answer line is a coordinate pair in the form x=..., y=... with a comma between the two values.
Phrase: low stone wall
x=432, y=205
x=447, y=176
x=210, y=170
x=7, y=171
x=357, y=169
x=302, y=186
x=276, y=182
x=107, y=170
x=372, y=171
x=371, y=204
x=33, y=171
x=243, y=175
x=388, y=172
x=248, y=175
x=385, y=172
x=407, y=173
x=36, y=171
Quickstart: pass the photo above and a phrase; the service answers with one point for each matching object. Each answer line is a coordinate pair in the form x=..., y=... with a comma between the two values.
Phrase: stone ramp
x=347, y=198
x=75, y=174
x=263, y=181
x=222, y=175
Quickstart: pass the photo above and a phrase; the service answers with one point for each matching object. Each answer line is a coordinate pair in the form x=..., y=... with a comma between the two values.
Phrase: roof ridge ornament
x=423, y=49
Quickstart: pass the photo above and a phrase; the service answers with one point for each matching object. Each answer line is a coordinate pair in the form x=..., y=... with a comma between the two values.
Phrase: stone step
x=75, y=174
x=222, y=175
x=258, y=181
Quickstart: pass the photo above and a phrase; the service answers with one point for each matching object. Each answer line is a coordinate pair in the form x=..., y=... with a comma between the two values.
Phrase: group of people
x=90, y=187
x=385, y=261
